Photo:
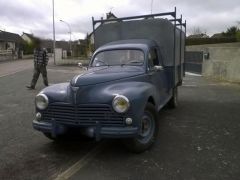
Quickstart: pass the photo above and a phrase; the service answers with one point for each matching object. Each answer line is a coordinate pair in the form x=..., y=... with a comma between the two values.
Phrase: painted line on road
x=14, y=72
x=80, y=164
x=192, y=74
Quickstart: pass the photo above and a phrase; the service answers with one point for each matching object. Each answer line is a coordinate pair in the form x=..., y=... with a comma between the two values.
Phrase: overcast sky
x=35, y=16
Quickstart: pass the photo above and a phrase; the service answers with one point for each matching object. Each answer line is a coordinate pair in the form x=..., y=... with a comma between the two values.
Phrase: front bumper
x=92, y=131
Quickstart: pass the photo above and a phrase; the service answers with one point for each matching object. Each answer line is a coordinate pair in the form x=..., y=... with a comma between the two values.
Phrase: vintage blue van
x=129, y=79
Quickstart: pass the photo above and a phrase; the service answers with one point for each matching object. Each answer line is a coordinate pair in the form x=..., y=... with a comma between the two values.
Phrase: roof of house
x=63, y=44
x=10, y=37
x=31, y=36
x=217, y=35
x=202, y=35
x=109, y=15
x=47, y=43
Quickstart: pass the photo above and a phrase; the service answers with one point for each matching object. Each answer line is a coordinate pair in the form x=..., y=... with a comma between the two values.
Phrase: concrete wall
x=223, y=62
x=6, y=57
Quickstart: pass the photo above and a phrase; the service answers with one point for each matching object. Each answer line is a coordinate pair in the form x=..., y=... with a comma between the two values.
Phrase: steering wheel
x=134, y=61
x=101, y=61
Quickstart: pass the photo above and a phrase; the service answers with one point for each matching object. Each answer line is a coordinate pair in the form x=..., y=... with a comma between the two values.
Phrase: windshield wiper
x=132, y=63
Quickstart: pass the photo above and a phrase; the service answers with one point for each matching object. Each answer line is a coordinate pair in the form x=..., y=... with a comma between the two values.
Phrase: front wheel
x=49, y=136
x=149, y=131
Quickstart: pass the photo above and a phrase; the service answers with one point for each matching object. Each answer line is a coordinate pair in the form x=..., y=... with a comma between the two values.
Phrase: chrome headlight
x=120, y=104
x=41, y=101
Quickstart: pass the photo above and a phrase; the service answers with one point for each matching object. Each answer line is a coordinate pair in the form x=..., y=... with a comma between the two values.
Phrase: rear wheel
x=149, y=131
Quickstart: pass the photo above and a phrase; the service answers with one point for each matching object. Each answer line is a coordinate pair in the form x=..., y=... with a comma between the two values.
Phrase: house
x=29, y=38
x=10, y=46
x=10, y=41
x=47, y=44
x=217, y=35
x=110, y=15
x=64, y=45
x=90, y=37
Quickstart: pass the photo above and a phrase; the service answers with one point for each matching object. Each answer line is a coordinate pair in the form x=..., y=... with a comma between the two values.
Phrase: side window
x=161, y=56
x=152, y=58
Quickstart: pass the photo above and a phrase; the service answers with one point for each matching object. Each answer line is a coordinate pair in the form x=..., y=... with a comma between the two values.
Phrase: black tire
x=173, y=102
x=49, y=136
x=146, y=139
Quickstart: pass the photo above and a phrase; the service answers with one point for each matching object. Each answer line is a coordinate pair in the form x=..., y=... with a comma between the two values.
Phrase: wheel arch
x=151, y=100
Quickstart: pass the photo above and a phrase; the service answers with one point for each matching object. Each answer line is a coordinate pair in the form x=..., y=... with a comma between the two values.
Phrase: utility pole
x=54, y=42
x=151, y=5
x=70, y=33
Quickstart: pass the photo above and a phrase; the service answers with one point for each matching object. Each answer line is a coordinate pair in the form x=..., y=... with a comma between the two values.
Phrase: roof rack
x=172, y=14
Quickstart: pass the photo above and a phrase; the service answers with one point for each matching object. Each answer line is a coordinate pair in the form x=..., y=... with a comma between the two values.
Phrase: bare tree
x=197, y=30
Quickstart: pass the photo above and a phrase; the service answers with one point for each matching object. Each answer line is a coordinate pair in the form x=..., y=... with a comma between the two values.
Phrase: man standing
x=40, y=63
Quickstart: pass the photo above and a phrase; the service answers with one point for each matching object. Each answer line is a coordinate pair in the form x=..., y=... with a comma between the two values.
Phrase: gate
x=193, y=61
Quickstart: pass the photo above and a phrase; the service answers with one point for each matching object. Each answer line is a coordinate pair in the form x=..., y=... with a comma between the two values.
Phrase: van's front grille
x=83, y=115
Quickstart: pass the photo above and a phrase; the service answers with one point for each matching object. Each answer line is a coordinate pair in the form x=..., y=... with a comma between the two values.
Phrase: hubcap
x=147, y=127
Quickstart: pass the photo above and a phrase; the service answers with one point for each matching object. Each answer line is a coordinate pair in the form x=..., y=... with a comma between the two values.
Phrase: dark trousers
x=37, y=70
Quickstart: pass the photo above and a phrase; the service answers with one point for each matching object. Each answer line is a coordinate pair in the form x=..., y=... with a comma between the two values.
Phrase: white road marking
x=14, y=72
x=192, y=74
x=80, y=164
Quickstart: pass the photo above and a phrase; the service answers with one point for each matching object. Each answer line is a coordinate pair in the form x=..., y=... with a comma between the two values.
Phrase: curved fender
x=137, y=93
x=57, y=92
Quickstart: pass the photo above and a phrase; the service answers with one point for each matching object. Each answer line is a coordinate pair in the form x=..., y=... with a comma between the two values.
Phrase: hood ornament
x=74, y=90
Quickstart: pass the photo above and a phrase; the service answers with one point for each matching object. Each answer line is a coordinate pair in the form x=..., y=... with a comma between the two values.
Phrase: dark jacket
x=40, y=57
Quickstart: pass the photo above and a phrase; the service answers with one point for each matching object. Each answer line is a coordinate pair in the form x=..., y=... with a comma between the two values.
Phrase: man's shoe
x=30, y=87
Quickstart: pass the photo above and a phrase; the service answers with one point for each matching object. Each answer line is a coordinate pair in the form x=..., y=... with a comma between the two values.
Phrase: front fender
x=57, y=92
x=137, y=93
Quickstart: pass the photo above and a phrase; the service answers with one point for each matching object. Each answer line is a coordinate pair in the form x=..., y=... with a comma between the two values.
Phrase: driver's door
x=157, y=75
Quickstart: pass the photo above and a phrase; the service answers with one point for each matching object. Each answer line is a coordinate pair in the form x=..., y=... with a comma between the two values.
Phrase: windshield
x=119, y=57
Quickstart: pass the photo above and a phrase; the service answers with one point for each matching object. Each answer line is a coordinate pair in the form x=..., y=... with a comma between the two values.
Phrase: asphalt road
x=198, y=140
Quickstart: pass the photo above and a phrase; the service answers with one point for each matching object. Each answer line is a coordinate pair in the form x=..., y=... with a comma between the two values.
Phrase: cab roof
x=143, y=44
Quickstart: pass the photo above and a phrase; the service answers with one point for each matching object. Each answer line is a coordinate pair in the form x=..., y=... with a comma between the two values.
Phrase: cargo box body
x=169, y=38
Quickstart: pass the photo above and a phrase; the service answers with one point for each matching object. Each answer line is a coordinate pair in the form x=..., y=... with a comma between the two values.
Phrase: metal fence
x=5, y=52
x=193, y=61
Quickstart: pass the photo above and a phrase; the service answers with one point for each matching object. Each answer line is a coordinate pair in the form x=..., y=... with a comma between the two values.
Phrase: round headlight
x=41, y=101
x=120, y=103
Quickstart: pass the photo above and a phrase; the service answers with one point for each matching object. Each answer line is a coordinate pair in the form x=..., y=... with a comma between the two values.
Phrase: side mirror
x=158, y=68
x=85, y=68
x=80, y=65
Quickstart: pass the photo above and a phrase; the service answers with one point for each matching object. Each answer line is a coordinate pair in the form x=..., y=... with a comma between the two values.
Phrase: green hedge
x=199, y=41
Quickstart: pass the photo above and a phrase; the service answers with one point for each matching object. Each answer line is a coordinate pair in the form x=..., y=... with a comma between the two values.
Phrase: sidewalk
x=12, y=67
